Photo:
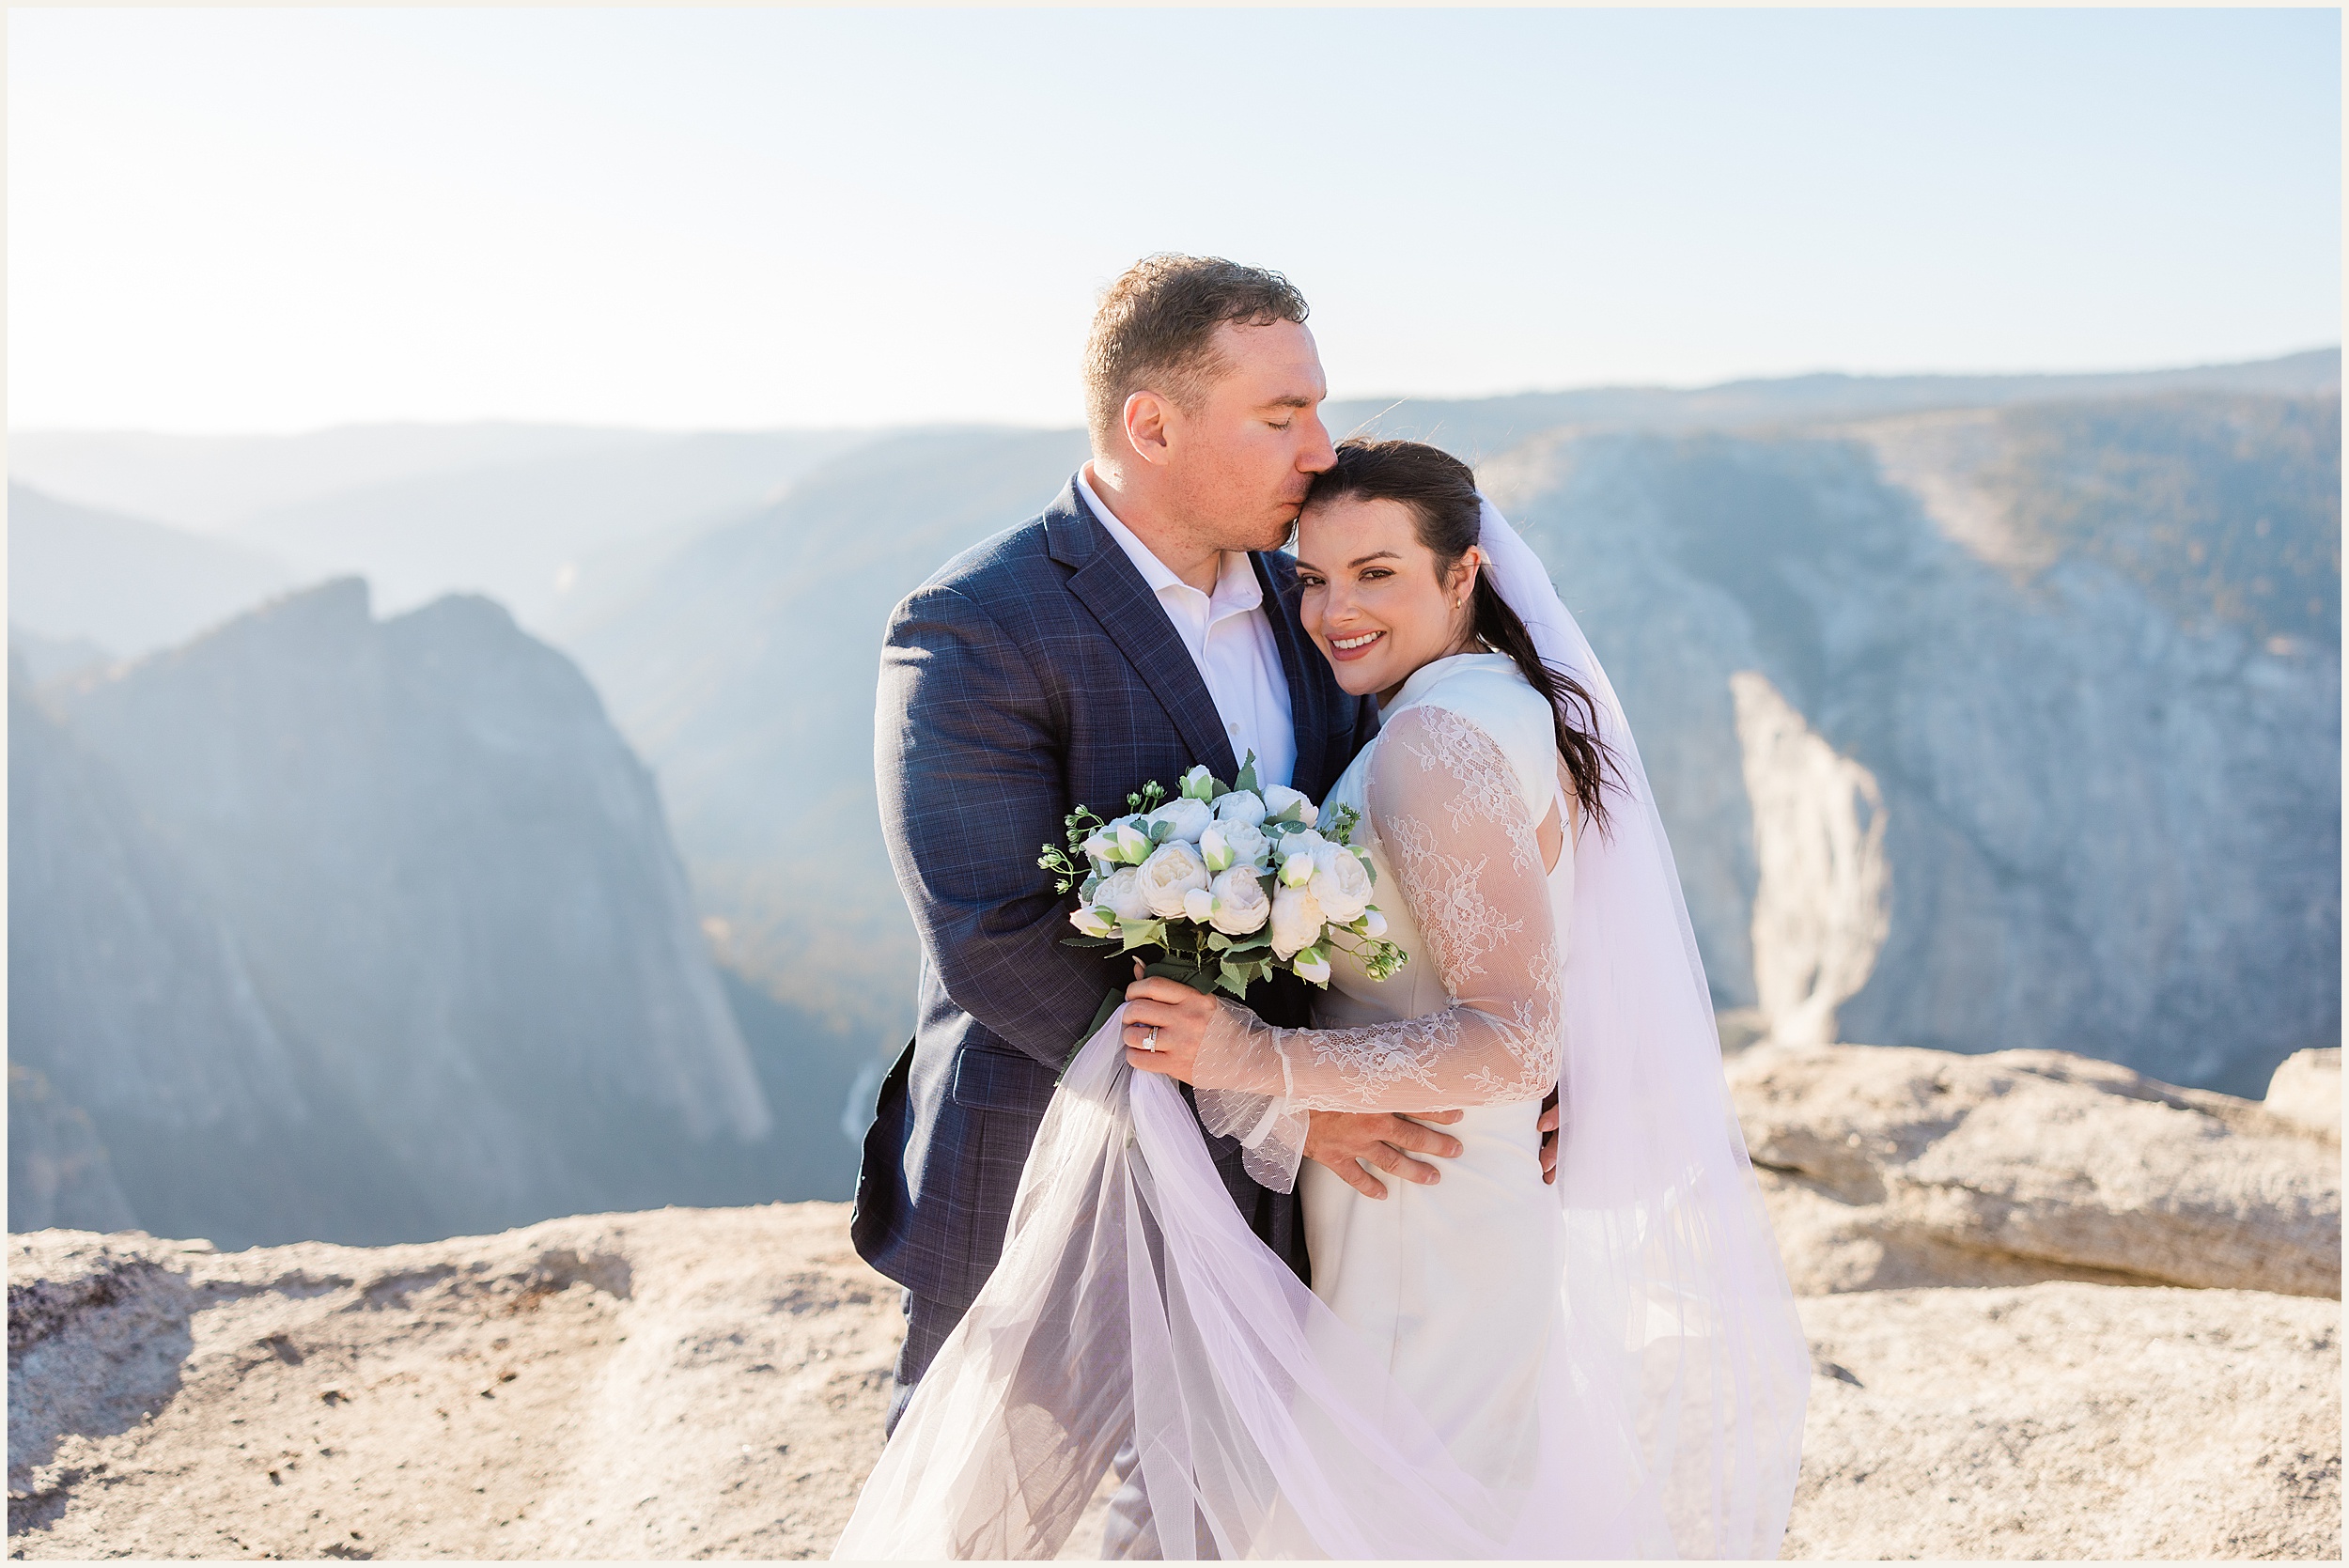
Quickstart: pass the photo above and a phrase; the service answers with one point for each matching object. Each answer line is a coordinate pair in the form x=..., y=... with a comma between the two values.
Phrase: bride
x=1598, y=1361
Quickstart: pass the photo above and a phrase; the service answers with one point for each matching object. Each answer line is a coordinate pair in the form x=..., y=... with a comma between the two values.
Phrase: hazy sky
x=279, y=218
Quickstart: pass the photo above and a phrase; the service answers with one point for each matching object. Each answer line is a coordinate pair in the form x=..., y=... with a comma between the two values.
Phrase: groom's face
x=1241, y=463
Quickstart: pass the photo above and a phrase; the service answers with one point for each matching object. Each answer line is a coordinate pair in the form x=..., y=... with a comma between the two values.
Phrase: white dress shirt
x=1229, y=639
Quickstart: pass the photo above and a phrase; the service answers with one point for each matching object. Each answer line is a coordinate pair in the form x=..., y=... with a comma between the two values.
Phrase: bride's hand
x=1171, y=1018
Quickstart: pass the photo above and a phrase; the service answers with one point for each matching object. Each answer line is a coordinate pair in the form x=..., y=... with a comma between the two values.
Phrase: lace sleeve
x=1446, y=804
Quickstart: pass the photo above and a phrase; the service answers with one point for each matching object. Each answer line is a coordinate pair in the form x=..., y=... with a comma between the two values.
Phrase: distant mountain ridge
x=126, y=585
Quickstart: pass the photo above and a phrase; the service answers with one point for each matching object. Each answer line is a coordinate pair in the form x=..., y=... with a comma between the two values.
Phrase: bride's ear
x=1463, y=576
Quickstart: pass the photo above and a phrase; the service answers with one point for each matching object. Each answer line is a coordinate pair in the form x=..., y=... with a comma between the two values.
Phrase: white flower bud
x=1310, y=964
x=1121, y=893
x=1240, y=805
x=1240, y=904
x=1173, y=870
x=1094, y=920
x=1199, y=785
x=1130, y=837
x=1280, y=797
x=1198, y=904
x=1296, y=921
x=1296, y=870
x=1373, y=925
x=1101, y=849
x=1215, y=851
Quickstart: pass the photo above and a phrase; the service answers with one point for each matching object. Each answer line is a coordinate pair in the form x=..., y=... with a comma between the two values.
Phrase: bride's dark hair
x=1441, y=491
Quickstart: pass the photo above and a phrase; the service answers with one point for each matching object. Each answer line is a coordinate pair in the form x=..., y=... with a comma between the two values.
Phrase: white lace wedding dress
x=1454, y=1285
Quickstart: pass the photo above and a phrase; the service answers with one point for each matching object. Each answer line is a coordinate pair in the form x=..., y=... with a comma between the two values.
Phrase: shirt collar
x=1235, y=584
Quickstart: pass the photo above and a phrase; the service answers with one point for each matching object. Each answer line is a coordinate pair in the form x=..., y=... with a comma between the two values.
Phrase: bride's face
x=1371, y=598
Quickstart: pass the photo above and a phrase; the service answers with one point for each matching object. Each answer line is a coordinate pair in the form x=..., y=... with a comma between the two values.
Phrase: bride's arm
x=1445, y=802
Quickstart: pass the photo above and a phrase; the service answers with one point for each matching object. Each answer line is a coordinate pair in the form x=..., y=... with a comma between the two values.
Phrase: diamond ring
x=1150, y=1041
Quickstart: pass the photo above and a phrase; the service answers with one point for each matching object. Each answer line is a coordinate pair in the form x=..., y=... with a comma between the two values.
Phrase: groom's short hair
x=1155, y=329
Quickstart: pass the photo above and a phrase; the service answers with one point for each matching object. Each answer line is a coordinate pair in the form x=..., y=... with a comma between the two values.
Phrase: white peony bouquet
x=1230, y=882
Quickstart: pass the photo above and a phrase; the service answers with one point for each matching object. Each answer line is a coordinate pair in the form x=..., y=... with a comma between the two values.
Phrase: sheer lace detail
x=1458, y=746
x=1443, y=800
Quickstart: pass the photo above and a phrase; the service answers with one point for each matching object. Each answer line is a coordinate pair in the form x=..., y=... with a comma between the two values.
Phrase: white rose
x=1199, y=785
x=1132, y=839
x=1121, y=891
x=1173, y=870
x=1280, y=797
x=1185, y=820
x=1374, y=924
x=1231, y=844
x=1093, y=921
x=1312, y=965
x=1296, y=921
x=1240, y=904
x=1340, y=884
x=1240, y=805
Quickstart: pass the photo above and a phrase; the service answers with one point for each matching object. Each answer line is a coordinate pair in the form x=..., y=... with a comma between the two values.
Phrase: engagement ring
x=1150, y=1041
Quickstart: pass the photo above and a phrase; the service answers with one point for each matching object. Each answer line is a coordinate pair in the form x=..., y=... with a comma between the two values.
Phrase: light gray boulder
x=2307, y=1089
x=1888, y=1166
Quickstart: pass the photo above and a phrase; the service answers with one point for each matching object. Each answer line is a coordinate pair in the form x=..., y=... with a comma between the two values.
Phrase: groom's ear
x=1145, y=426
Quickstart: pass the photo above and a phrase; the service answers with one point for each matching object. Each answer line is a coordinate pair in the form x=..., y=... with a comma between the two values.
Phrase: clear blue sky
x=280, y=219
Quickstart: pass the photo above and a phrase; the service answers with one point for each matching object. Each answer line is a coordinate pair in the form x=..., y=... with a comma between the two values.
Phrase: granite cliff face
x=2019, y=729
x=367, y=930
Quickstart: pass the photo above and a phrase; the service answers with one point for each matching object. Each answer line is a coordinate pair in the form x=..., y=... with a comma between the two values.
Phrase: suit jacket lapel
x=1106, y=583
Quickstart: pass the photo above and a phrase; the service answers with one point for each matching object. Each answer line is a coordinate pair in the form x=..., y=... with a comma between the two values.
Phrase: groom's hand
x=1548, y=1126
x=1343, y=1141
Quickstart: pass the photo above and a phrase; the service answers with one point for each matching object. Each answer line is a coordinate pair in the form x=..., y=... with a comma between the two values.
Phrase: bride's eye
x=1373, y=573
x=1307, y=580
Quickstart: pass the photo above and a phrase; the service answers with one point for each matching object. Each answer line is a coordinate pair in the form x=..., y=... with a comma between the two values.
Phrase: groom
x=1144, y=624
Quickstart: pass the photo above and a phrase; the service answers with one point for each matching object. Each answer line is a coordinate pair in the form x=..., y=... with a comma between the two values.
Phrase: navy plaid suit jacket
x=1034, y=672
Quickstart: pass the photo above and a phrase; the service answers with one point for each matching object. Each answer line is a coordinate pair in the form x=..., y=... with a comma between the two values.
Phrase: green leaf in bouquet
x=1247, y=779
x=1292, y=812
x=1089, y=941
x=1141, y=933
x=1233, y=977
x=1159, y=831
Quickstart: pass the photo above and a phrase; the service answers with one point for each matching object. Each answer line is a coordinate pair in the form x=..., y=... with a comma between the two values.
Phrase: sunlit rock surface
x=710, y=1382
x=1888, y=1166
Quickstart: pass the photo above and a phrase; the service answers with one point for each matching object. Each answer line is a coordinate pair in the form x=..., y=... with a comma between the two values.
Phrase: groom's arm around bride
x=1143, y=624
